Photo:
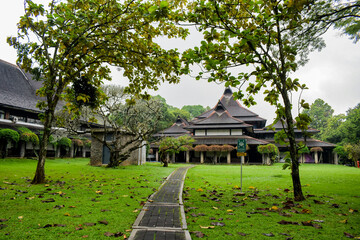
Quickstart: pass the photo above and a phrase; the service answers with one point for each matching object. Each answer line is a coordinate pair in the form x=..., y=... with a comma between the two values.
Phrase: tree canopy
x=274, y=38
x=69, y=45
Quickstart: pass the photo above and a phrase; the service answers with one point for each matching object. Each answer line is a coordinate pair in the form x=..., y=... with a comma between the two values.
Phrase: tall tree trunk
x=40, y=169
x=295, y=174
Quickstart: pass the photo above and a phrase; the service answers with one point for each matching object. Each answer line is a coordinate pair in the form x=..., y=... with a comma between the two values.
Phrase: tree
x=333, y=132
x=342, y=15
x=7, y=136
x=319, y=112
x=170, y=145
x=271, y=151
x=353, y=151
x=69, y=45
x=194, y=110
x=275, y=38
x=129, y=124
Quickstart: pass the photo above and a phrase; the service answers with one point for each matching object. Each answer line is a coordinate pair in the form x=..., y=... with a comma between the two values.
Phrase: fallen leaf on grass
x=67, y=214
x=48, y=200
x=207, y=227
x=242, y=234
x=198, y=234
x=318, y=202
x=268, y=234
x=215, y=208
x=218, y=224
x=283, y=222
x=229, y=234
x=343, y=221
x=199, y=190
x=348, y=235
x=352, y=210
x=3, y=226
x=305, y=210
x=335, y=205
x=103, y=222
x=89, y=224
x=311, y=224
x=3, y=220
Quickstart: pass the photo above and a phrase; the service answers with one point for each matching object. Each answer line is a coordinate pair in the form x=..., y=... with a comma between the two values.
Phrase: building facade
x=226, y=123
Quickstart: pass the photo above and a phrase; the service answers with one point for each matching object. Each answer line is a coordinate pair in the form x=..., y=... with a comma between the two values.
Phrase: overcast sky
x=332, y=74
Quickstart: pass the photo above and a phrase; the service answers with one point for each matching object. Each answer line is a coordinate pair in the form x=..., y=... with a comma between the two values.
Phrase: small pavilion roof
x=177, y=129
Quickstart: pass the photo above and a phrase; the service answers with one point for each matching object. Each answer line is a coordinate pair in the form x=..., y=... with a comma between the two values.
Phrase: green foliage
x=71, y=43
x=345, y=16
x=87, y=143
x=27, y=135
x=9, y=135
x=344, y=129
x=194, y=110
x=65, y=142
x=268, y=149
x=353, y=151
x=303, y=149
x=173, y=145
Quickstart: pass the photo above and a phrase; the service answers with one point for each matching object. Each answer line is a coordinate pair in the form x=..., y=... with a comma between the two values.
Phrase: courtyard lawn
x=79, y=201
x=216, y=210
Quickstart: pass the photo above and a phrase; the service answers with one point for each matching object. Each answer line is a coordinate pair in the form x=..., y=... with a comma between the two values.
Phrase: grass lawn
x=215, y=209
x=79, y=201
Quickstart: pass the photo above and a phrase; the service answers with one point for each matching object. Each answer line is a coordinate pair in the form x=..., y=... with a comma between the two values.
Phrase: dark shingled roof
x=177, y=129
x=17, y=90
x=236, y=110
x=310, y=142
x=219, y=118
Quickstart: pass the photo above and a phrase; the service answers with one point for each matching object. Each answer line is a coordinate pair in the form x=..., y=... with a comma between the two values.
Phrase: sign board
x=241, y=145
x=241, y=154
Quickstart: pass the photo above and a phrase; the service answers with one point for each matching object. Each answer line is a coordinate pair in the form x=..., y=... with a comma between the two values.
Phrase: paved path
x=163, y=216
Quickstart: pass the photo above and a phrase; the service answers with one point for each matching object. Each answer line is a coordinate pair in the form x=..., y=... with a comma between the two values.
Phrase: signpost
x=241, y=152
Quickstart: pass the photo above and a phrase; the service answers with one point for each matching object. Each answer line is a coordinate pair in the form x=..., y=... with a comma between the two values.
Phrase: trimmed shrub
x=65, y=142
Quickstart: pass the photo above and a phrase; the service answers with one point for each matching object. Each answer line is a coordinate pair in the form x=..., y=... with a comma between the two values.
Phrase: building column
x=228, y=158
x=201, y=157
x=156, y=155
x=187, y=156
x=57, y=151
x=263, y=158
x=173, y=158
x=243, y=159
x=72, y=151
x=22, y=149
x=336, y=159
x=316, y=157
x=83, y=151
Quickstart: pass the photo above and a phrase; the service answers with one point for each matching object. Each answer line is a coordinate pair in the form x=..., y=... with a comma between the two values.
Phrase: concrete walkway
x=163, y=216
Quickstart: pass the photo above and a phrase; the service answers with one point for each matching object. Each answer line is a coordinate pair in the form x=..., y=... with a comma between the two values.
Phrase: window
x=2, y=114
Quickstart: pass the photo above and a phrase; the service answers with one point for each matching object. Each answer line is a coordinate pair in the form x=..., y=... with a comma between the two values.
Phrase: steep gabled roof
x=219, y=118
x=177, y=129
x=234, y=108
x=17, y=90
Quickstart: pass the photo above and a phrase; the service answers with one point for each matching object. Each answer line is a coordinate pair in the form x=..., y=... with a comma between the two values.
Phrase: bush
x=9, y=135
x=78, y=142
x=65, y=142
x=27, y=135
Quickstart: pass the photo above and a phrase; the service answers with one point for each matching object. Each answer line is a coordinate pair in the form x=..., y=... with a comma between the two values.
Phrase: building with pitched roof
x=18, y=101
x=226, y=123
